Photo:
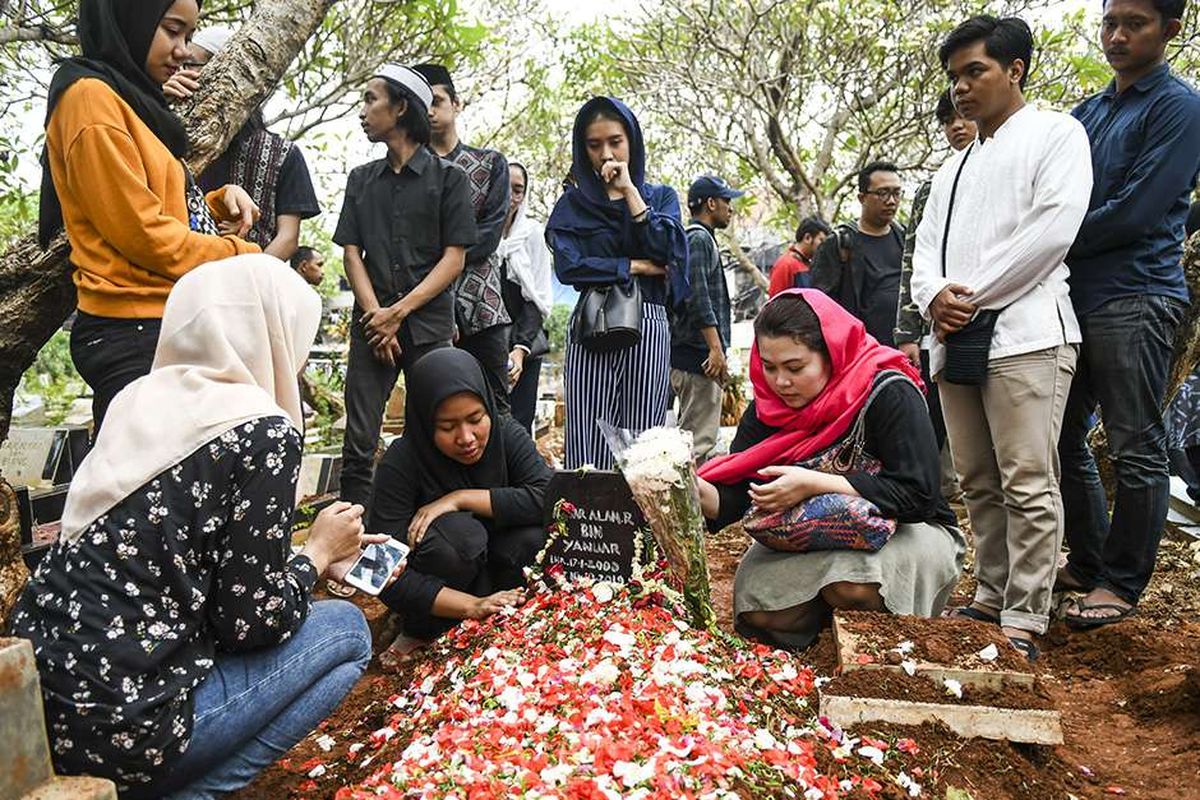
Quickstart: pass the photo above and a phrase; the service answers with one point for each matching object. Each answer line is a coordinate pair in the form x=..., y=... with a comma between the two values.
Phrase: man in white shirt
x=1000, y=218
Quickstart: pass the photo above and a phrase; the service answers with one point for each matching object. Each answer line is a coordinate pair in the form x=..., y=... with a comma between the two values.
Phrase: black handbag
x=609, y=318
x=968, y=349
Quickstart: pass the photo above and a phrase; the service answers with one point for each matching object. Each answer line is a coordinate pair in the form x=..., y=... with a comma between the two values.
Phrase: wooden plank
x=986, y=722
x=847, y=645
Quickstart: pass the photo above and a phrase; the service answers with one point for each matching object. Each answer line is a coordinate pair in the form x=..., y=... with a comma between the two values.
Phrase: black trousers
x=490, y=348
x=459, y=551
x=369, y=381
x=523, y=397
x=110, y=354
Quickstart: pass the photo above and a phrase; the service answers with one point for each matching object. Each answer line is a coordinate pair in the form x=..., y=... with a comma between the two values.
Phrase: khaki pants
x=699, y=409
x=1004, y=439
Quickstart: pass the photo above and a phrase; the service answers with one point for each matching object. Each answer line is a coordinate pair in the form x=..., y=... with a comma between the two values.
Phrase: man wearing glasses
x=859, y=266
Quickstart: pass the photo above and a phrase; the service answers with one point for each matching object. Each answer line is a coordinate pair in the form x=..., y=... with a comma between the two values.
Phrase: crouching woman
x=464, y=487
x=178, y=647
x=823, y=387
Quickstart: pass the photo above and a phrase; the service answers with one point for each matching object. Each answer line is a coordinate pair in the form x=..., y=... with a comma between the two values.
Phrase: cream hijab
x=235, y=333
x=529, y=263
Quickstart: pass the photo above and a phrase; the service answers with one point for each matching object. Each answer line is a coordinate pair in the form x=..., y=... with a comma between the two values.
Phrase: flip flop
x=1076, y=622
x=1026, y=646
x=970, y=612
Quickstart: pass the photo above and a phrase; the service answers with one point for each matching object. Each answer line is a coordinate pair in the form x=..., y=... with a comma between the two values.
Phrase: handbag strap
x=950, y=210
x=850, y=451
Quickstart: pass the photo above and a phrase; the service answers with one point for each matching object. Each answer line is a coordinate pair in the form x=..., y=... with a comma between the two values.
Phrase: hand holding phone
x=380, y=562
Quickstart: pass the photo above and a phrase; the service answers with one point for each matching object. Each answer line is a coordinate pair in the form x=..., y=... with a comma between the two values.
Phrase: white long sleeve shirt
x=1020, y=201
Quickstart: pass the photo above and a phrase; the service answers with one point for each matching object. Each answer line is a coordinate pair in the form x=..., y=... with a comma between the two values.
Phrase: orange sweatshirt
x=124, y=205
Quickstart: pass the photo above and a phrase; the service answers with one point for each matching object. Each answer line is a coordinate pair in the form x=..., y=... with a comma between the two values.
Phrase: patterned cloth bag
x=830, y=521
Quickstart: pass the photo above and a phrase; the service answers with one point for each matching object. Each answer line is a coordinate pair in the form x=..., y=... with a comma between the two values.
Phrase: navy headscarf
x=585, y=208
x=115, y=37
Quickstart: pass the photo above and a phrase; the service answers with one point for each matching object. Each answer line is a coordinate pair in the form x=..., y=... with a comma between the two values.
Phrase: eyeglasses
x=887, y=194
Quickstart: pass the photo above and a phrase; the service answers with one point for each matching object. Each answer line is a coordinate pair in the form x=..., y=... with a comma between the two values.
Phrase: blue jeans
x=1123, y=365
x=253, y=707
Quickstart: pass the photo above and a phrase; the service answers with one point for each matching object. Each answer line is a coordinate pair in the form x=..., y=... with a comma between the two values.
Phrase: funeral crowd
x=1037, y=288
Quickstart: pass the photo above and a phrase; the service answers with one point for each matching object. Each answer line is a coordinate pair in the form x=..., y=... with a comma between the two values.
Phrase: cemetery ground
x=1129, y=697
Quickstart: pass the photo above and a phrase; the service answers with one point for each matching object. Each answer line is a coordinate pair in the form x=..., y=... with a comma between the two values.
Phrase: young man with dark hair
x=791, y=269
x=310, y=264
x=483, y=321
x=1000, y=217
x=271, y=168
x=405, y=225
x=700, y=330
x=1128, y=288
x=859, y=265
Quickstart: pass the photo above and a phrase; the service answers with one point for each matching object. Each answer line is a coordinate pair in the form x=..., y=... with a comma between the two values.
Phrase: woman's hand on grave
x=484, y=607
x=427, y=513
x=336, y=535
x=240, y=210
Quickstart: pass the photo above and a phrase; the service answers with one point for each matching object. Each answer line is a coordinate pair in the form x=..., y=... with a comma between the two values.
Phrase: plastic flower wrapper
x=657, y=465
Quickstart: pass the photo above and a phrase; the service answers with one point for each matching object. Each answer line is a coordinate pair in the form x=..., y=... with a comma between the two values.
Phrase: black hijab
x=436, y=377
x=114, y=37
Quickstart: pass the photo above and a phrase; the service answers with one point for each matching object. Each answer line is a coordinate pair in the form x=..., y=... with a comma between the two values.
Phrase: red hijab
x=855, y=358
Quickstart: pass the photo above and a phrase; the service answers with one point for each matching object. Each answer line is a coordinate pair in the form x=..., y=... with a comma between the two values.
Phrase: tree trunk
x=36, y=292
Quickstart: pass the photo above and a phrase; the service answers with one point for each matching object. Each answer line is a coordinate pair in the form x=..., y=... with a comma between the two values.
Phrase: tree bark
x=36, y=291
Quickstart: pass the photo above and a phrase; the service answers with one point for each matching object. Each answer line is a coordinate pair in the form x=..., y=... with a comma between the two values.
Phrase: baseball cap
x=710, y=186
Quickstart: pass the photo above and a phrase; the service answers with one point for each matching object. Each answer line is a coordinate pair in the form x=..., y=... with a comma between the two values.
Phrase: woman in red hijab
x=814, y=369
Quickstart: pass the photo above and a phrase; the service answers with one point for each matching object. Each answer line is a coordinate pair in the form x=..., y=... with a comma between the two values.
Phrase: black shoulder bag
x=967, y=349
x=609, y=317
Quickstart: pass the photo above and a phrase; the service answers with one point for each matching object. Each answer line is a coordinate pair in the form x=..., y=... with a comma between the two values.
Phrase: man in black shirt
x=483, y=319
x=271, y=168
x=405, y=225
x=859, y=266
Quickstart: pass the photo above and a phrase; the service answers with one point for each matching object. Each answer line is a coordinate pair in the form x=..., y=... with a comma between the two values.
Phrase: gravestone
x=42, y=457
x=602, y=531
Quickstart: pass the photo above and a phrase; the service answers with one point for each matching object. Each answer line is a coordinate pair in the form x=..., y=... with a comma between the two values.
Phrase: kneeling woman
x=464, y=487
x=814, y=371
x=178, y=646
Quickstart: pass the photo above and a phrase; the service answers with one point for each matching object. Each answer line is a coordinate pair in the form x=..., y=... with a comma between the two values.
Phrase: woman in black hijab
x=463, y=486
x=113, y=176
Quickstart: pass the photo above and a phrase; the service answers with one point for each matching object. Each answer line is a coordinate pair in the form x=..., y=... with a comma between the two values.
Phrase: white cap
x=213, y=38
x=408, y=78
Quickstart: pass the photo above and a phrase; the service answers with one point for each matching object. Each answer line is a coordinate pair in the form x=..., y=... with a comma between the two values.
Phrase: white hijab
x=528, y=257
x=235, y=333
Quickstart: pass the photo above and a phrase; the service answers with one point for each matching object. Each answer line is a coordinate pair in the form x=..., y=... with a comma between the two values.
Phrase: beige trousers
x=699, y=409
x=1004, y=439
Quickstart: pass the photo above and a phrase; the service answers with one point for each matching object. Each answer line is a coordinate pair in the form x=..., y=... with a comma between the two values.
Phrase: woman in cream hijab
x=178, y=646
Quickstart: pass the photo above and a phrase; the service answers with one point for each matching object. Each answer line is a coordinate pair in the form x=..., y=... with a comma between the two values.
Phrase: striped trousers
x=627, y=388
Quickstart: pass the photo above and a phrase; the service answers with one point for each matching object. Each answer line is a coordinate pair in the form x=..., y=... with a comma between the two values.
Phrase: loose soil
x=920, y=689
x=946, y=642
x=1129, y=696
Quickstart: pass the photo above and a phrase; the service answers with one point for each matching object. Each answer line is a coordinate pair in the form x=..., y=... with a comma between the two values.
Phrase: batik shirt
x=126, y=621
x=480, y=289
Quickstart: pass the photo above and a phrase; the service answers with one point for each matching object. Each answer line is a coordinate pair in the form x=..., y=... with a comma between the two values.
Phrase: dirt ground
x=1129, y=696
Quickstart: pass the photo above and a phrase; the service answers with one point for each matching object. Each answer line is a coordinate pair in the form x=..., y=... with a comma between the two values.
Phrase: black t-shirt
x=879, y=258
x=403, y=222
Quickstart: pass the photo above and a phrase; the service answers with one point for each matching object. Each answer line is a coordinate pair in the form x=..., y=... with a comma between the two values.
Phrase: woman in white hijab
x=177, y=643
x=528, y=296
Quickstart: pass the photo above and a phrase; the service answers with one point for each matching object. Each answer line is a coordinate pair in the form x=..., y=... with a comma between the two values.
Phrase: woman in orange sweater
x=113, y=176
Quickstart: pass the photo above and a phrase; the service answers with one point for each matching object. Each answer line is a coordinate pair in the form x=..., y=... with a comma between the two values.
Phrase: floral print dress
x=128, y=620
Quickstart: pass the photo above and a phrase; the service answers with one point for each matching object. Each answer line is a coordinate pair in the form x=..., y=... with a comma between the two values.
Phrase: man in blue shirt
x=1128, y=290
x=700, y=328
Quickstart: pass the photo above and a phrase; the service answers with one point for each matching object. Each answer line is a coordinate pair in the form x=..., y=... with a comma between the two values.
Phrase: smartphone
x=374, y=567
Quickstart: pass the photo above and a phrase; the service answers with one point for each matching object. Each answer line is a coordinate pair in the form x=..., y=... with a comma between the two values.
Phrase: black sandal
x=1026, y=646
x=970, y=612
x=1081, y=623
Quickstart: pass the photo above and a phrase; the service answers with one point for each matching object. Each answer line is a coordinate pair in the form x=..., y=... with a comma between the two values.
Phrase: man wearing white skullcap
x=271, y=168
x=406, y=222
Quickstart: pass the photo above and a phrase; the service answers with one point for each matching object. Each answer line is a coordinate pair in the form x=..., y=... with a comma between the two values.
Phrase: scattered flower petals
x=989, y=653
x=953, y=687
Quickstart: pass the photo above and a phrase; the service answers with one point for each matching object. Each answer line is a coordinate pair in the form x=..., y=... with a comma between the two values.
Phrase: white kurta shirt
x=1020, y=201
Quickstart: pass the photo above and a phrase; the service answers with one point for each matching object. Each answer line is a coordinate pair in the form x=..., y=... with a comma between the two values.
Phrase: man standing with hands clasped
x=700, y=329
x=405, y=225
x=1000, y=217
